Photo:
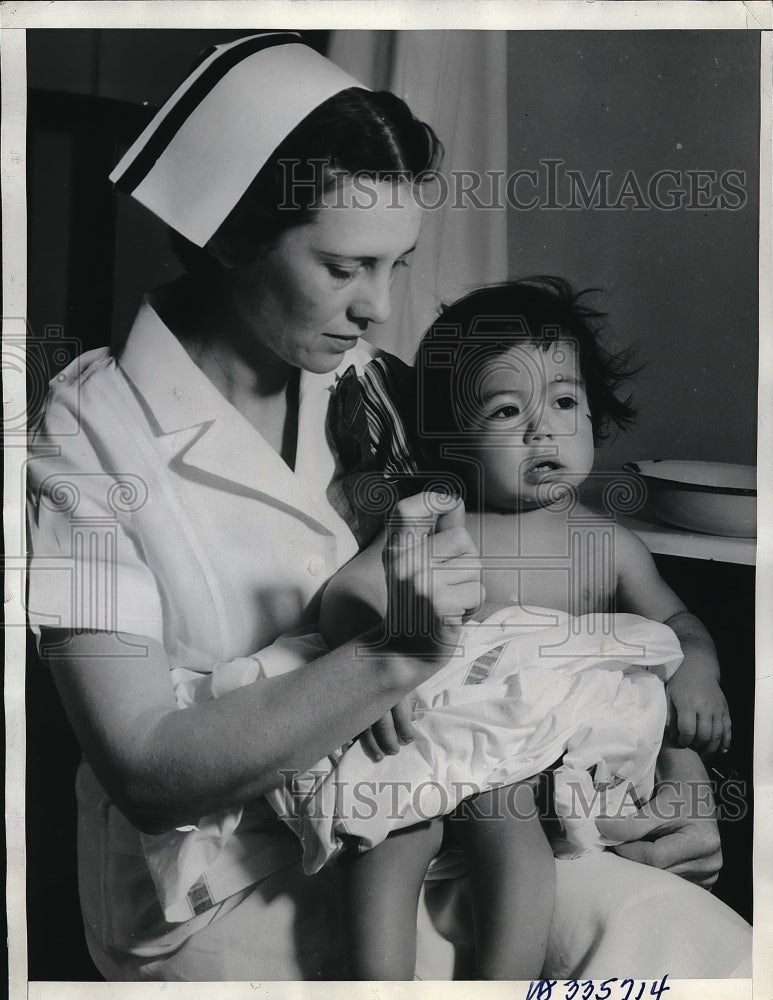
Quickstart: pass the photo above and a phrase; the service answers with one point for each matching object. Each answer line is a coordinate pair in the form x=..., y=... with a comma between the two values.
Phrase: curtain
x=456, y=81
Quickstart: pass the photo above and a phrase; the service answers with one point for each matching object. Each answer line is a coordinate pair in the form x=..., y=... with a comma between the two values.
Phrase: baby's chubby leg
x=381, y=897
x=512, y=878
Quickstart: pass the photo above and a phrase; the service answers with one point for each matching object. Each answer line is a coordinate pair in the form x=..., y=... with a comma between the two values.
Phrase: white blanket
x=529, y=687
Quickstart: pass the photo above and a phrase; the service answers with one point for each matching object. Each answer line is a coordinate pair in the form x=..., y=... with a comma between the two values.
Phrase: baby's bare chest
x=560, y=564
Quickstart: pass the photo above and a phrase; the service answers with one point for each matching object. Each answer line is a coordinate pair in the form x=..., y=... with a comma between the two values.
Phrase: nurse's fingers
x=436, y=510
x=451, y=542
x=452, y=512
x=696, y=874
x=428, y=514
x=703, y=869
x=628, y=829
x=454, y=573
x=459, y=600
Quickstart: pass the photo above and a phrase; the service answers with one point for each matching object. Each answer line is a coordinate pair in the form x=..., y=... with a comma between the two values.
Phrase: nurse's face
x=309, y=299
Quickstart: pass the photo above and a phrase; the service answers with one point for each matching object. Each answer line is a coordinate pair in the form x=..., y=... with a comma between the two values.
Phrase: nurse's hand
x=676, y=830
x=433, y=577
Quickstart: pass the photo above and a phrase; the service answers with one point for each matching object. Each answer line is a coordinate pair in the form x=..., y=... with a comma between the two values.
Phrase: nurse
x=186, y=510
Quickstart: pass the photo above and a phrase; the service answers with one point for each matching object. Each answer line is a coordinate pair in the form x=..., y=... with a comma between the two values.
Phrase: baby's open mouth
x=544, y=465
x=540, y=469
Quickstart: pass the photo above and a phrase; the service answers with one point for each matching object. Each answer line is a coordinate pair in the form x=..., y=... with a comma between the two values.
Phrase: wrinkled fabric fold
x=190, y=866
x=528, y=688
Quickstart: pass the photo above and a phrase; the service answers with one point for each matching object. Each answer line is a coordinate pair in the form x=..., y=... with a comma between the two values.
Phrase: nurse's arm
x=166, y=767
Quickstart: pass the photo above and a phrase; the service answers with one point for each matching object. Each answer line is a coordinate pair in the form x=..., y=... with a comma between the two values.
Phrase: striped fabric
x=481, y=668
x=373, y=424
x=382, y=386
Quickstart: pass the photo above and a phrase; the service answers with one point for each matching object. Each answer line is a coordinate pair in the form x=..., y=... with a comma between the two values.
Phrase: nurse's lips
x=344, y=343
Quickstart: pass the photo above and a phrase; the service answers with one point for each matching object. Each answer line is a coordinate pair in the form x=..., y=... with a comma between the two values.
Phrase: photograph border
x=15, y=18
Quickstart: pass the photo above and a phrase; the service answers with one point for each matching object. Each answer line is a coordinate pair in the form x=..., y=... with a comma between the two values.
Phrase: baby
x=514, y=389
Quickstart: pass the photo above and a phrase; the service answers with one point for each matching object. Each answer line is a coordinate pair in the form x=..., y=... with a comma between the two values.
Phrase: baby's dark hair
x=536, y=310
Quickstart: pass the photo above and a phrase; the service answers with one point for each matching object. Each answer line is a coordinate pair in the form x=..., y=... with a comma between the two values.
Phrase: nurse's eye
x=341, y=273
x=397, y=267
x=505, y=412
x=565, y=403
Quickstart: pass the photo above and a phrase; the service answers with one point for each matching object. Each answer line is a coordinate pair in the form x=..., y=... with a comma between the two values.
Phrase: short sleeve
x=289, y=652
x=86, y=570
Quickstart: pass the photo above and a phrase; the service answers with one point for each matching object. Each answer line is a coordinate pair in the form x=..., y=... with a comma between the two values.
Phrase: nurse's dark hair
x=537, y=310
x=356, y=132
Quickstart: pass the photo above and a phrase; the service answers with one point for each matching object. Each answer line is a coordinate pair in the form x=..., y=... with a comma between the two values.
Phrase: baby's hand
x=393, y=730
x=697, y=713
x=488, y=608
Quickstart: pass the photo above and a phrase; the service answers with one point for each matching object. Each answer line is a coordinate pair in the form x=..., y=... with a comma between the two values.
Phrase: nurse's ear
x=252, y=228
x=234, y=245
x=230, y=248
x=203, y=263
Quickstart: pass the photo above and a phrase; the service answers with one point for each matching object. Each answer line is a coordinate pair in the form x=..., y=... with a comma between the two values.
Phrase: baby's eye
x=565, y=402
x=505, y=412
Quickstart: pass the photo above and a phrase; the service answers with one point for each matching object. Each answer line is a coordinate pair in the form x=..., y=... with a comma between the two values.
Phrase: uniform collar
x=212, y=436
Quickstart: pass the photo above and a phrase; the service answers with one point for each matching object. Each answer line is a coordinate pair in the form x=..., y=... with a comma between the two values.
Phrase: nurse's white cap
x=205, y=146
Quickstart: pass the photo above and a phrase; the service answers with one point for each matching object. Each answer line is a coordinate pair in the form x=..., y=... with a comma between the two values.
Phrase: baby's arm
x=355, y=599
x=702, y=716
x=695, y=697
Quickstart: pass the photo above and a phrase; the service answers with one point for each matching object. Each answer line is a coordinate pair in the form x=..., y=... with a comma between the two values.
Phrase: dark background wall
x=681, y=284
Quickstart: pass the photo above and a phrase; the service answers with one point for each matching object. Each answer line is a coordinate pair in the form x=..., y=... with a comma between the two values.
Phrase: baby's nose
x=538, y=428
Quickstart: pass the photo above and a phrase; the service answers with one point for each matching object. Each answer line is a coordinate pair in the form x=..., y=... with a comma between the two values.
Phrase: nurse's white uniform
x=158, y=510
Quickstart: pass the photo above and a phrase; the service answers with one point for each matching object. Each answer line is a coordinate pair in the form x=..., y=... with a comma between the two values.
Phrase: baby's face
x=531, y=426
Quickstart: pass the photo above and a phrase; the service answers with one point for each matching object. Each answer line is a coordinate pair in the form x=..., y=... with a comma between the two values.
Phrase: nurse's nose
x=373, y=303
